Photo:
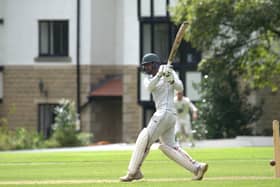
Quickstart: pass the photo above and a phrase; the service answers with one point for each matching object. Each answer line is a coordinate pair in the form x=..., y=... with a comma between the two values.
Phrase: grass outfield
x=229, y=167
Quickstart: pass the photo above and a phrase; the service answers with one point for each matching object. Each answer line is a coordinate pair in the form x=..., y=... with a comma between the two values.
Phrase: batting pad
x=140, y=152
x=180, y=157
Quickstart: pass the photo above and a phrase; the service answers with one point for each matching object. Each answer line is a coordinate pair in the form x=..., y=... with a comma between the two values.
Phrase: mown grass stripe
x=85, y=181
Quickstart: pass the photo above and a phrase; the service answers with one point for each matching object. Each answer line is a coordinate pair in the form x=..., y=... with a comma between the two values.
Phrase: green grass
x=229, y=167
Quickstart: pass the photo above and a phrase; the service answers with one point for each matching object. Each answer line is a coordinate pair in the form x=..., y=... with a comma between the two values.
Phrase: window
x=155, y=38
x=46, y=119
x=53, y=38
x=150, y=8
x=161, y=44
x=191, y=78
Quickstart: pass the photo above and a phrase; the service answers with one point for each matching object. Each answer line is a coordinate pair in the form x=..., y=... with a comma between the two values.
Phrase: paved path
x=240, y=141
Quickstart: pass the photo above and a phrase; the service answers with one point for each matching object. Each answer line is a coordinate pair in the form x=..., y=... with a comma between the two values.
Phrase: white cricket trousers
x=161, y=126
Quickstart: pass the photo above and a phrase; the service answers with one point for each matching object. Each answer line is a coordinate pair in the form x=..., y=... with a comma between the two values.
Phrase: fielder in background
x=162, y=80
x=183, y=127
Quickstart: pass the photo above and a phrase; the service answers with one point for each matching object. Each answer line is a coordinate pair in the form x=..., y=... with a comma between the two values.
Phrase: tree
x=243, y=34
x=224, y=109
x=238, y=39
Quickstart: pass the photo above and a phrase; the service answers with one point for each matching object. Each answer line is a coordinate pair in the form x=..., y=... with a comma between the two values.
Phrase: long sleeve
x=150, y=82
x=191, y=105
x=178, y=85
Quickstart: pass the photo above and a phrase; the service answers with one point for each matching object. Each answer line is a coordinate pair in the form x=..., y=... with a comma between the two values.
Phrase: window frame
x=50, y=43
x=41, y=127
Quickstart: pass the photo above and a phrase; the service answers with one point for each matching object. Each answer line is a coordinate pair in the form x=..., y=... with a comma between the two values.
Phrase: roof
x=112, y=87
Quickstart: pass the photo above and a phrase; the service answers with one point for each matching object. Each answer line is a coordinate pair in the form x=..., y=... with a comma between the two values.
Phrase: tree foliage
x=238, y=39
x=225, y=108
x=244, y=34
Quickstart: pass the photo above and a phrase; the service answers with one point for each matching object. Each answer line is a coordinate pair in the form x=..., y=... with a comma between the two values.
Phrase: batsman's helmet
x=149, y=58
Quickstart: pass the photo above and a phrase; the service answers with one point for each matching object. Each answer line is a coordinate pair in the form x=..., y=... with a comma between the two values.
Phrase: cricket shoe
x=200, y=172
x=129, y=177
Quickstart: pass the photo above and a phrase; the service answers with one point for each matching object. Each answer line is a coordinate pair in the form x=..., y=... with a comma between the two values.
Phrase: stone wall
x=132, y=112
x=22, y=94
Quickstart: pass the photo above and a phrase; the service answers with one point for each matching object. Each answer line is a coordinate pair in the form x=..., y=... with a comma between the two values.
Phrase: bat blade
x=178, y=39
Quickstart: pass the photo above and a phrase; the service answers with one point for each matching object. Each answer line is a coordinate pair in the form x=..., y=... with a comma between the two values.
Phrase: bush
x=64, y=132
x=5, y=138
x=199, y=128
x=225, y=108
x=19, y=139
x=24, y=139
x=64, y=129
x=85, y=138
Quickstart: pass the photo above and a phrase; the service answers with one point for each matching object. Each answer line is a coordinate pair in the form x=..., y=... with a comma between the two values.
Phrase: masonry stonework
x=132, y=112
x=22, y=94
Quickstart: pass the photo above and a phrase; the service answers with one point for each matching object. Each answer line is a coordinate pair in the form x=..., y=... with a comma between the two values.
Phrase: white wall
x=103, y=32
x=127, y=33
x=21, y=26
x=2, y=4
x=119, y=34
x=131, y=33
x=85, y=31
x=115, y=32
x=109, y=30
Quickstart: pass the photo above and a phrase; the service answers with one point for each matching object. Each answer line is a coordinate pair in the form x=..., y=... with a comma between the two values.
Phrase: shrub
x=5, y=138
x=65, y=133
x=19, y=139
x=225, y=108
x=199, y=128
x=24, y=139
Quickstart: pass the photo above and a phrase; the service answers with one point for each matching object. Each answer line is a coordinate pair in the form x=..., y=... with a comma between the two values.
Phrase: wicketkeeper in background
x=162, y=82
x=183, y=127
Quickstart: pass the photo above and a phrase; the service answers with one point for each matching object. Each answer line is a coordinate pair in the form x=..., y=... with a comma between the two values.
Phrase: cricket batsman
x=162, y=81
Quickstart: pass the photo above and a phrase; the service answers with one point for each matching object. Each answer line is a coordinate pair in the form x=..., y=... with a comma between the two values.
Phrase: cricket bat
x=178, y=39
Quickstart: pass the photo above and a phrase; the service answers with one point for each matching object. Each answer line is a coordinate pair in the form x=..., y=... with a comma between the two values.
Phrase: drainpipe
x=78, y=67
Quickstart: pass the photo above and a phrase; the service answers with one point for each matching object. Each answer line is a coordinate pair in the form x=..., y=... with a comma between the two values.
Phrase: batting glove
x=168, y=75
x=167, y=70
x=160, y=70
